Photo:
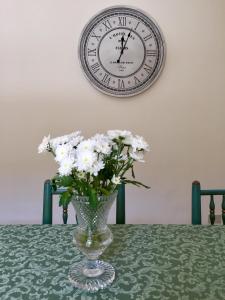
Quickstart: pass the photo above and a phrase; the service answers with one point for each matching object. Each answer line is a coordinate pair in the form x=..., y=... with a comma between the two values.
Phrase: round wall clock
x=122, y=51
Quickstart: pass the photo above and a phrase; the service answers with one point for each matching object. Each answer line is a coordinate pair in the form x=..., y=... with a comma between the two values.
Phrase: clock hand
x=121, y=52
x=122, y=41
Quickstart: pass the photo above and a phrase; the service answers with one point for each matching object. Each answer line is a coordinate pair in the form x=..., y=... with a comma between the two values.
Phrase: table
x=183, y=262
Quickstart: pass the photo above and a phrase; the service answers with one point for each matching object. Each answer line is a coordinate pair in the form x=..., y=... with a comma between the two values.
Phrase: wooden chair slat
x=223, y=210
x=212, y=210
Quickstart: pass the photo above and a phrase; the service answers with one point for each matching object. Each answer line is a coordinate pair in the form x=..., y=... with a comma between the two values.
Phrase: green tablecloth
x=151, y=261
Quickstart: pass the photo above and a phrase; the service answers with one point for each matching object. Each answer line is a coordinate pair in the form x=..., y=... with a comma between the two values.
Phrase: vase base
x=91, y=275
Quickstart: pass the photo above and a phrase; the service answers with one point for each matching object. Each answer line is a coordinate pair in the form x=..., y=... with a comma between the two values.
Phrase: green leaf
x=104, y=191
x=65, y=198
x=54, y=184
x=66, y=181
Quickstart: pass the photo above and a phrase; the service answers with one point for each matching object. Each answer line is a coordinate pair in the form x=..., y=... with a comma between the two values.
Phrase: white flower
x=73, y=137
x=115, y=179
x=85, y=160
x=102, y=144
x=54, y=143
x=138, y=156
x=138, y=143
x=115, y=134
x=66, y=166
x=62, y=152
x=74, y=141
x=97, y=166
x=86, y=145
x=43, y=147
x=128, y=140
x=81, y=175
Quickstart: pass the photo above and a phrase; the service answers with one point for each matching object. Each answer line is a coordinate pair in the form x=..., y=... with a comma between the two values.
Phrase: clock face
x=122, y=51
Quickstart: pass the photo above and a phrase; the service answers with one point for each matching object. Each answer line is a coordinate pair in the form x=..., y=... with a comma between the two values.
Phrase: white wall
x=43, y=90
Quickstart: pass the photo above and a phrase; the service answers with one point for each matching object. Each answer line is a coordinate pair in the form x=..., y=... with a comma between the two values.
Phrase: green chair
x=48, y=197
x=197, y=192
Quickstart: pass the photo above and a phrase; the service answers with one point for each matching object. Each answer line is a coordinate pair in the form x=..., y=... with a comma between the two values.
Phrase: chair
x=197, y=192
x=48, y=197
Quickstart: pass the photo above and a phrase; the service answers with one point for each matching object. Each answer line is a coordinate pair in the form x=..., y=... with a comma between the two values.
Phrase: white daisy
x=66, y=166
x=73, y=135
x=85, y=160
x=115, y=134
x=97, y=166
x=74, y=141
x=115, y=179
x=62, y=152
x=65, y=139
x=43, y=147
x=81, y=175
x=128, y=140
x=102, y=144
x=138, y=156
x=86, y=145
x=138, y=143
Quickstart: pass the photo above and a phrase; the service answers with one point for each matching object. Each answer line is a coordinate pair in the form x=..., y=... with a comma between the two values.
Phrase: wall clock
x=122, y=51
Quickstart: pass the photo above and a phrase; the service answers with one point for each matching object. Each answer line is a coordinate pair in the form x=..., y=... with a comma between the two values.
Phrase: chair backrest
x=197, y=192
x=48, y=198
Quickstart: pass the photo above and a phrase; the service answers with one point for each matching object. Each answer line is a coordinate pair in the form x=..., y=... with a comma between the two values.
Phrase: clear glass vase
x=92, y=236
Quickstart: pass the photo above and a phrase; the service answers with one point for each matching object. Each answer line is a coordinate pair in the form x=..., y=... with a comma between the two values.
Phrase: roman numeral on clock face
x=107, y=25
x=98, y=37
x=151, y=52
x=147, y=68
x=121, y=84
x=136, y=80
x=147, y=37
x=122, y=21
x=95, y=67
x=136, y=26
x=106, y=79
x=91, y=52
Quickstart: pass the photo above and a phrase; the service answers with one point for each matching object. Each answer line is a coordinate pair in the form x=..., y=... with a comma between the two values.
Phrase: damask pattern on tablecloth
x=164, y=262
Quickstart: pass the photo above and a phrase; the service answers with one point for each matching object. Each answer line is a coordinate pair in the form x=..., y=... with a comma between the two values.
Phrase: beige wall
x=43, y=90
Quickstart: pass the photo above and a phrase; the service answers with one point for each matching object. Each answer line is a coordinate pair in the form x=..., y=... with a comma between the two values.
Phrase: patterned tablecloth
x=152, y=262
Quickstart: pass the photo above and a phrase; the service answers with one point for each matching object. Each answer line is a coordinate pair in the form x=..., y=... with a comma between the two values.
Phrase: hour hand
x=122, y=41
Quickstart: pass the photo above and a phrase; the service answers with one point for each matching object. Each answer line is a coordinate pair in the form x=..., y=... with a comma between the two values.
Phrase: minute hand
x=121, y=52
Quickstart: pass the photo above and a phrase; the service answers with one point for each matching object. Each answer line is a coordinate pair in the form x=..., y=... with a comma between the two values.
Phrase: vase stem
x=92, y=268
x=89, y=239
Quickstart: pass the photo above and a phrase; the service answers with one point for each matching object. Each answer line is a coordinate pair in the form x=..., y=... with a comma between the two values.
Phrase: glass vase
x=92, y=236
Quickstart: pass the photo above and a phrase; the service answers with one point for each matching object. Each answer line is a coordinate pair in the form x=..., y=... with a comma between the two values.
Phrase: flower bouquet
x=94, y=166
x=90, y=171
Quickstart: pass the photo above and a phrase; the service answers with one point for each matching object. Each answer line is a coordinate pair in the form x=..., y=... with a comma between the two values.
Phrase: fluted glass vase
x=92, y=236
